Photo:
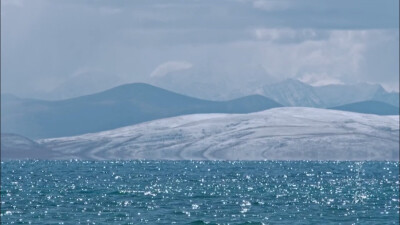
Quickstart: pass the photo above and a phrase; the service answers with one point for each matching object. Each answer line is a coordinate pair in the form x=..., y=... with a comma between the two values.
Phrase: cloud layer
x=235, y=45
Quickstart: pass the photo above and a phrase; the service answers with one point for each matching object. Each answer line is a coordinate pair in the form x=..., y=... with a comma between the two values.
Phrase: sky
x=203, y=48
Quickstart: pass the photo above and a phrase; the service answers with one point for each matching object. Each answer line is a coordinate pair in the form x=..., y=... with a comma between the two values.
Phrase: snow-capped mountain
x=287, y=133
x=292, y=93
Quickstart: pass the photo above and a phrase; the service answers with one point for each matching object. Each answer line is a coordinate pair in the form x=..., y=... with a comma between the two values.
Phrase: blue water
x=199, y=192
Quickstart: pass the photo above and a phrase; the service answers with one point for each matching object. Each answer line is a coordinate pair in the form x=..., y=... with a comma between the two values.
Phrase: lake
x=199, y=192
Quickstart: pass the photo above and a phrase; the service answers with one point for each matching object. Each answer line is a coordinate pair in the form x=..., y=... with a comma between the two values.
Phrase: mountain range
x=117, y=107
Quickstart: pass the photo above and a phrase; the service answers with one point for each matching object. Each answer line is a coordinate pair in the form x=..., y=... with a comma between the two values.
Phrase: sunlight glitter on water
x=114, y=192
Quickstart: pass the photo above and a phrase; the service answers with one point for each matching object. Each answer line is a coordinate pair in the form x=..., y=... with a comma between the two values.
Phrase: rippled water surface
x=199, y=192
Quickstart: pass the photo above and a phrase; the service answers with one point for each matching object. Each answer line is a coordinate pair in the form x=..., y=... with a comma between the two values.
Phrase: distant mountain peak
x=292, y=92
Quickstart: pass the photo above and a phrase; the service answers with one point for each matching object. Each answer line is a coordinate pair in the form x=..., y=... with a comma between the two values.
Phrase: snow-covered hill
x=15, y=146
x=289, y=133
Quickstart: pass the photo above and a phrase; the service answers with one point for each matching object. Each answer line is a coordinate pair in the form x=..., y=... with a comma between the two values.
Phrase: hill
x=370, y=107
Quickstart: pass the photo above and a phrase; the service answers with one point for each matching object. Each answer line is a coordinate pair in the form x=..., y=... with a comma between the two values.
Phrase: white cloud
x=319, y=79
x=169, y=67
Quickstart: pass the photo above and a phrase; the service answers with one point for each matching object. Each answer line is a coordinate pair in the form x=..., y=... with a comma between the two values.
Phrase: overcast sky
x=54, y=49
